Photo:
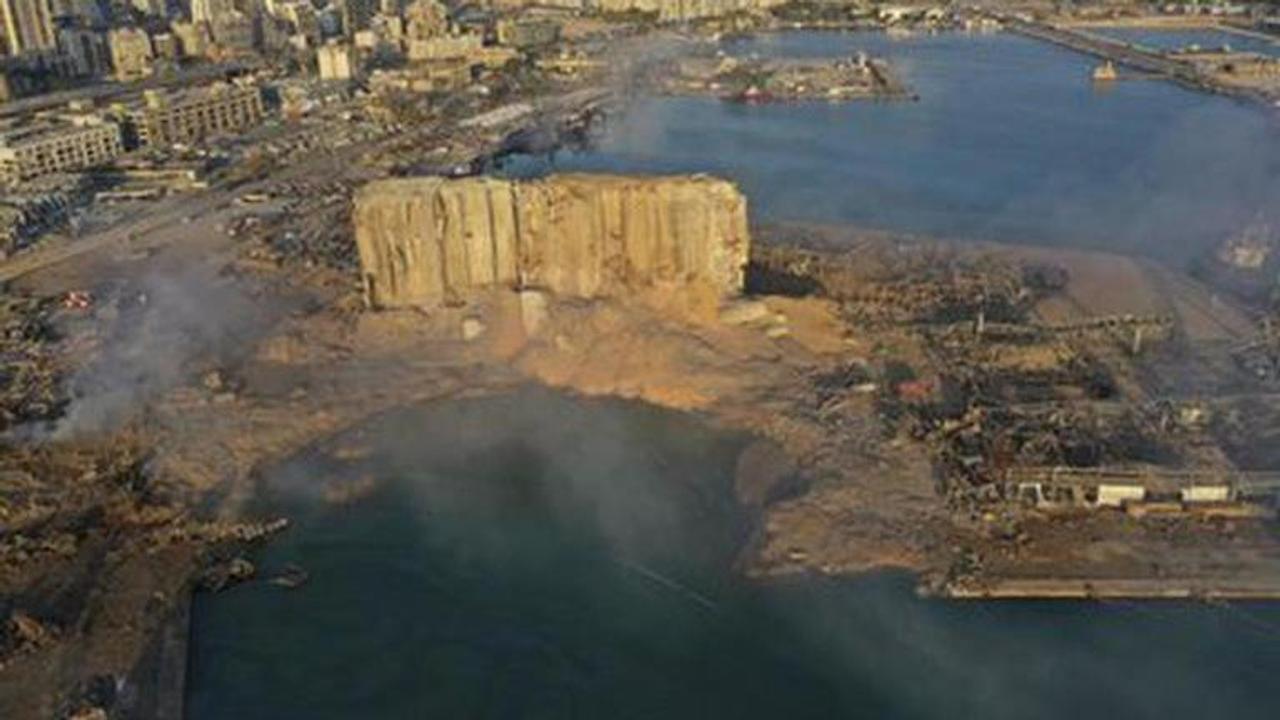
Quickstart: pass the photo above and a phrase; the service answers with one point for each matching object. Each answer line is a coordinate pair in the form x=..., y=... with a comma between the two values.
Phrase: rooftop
x=46, y=127
x=181, y=96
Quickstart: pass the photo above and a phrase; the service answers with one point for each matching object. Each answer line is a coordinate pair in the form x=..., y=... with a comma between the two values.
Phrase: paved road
x=102, y=90
x=162, y=223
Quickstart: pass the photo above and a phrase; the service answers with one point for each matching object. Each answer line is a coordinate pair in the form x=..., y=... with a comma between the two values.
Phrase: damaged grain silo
x=431, y=240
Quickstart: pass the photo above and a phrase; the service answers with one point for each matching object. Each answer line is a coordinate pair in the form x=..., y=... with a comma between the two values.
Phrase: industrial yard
x=755, y=80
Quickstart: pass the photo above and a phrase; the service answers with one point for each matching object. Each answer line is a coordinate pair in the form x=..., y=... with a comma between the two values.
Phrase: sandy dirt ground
x=247, y=365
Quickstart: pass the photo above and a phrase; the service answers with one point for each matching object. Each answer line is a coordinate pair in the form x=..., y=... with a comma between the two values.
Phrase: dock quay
x=1130, y=56
x=1103, y=485
x=1164, y=588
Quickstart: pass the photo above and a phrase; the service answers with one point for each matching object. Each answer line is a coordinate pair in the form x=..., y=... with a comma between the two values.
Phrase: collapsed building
x=1022, y=414
x=188, y=115
x=432, y=240
x=70, y=143
x=32, y=208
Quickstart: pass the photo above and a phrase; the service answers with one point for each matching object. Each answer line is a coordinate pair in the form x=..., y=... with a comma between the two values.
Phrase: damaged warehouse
x=1019, y=413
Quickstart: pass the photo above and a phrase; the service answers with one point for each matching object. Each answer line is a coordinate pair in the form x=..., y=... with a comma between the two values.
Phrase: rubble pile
x=1248, y=428
x=30, y=372
x=30, y=210
x=1017, y=396
x=327, y=242
x=977, y=448
x=1259, y=357
x=49, y=494
x=993, y=392
x=1018, y=364
x=306, y=222
x=917, y=288
x=756, y=80
x=1245, y=265
x=842, y=402
x=94, y=553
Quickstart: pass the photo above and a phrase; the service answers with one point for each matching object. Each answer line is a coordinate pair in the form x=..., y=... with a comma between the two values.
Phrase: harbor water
x=1010, y=141
x=536, y=556
x=540, y=556
x=1187, y=39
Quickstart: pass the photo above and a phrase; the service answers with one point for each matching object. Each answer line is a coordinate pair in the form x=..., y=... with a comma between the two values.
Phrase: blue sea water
x=541, y=556
x=538, y=556
x=1009, y=141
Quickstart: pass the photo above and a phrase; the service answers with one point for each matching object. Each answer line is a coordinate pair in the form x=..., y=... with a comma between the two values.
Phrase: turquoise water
x=540, y=557
x=1010, y=141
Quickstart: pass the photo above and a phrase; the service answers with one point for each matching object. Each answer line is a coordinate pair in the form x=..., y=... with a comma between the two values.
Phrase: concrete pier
x=1130, y=56
x=1049, y=588
x=159, y=681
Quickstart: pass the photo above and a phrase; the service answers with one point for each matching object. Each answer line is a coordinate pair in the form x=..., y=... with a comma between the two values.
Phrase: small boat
x=1106, y=72
x=753, y=95
x=290, y=577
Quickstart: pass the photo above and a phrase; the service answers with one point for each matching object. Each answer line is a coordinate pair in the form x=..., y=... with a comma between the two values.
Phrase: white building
x=336, y=61
x=130, y=53
x=209, y=10
x=57, y=146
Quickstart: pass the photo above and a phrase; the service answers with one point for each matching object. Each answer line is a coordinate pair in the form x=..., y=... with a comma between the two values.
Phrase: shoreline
x=1071, y=35
x=173, y=643
x=173, y=658
x=1172, y=23
x=757, y=377
x=1128, y=54
x=1093, y=589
